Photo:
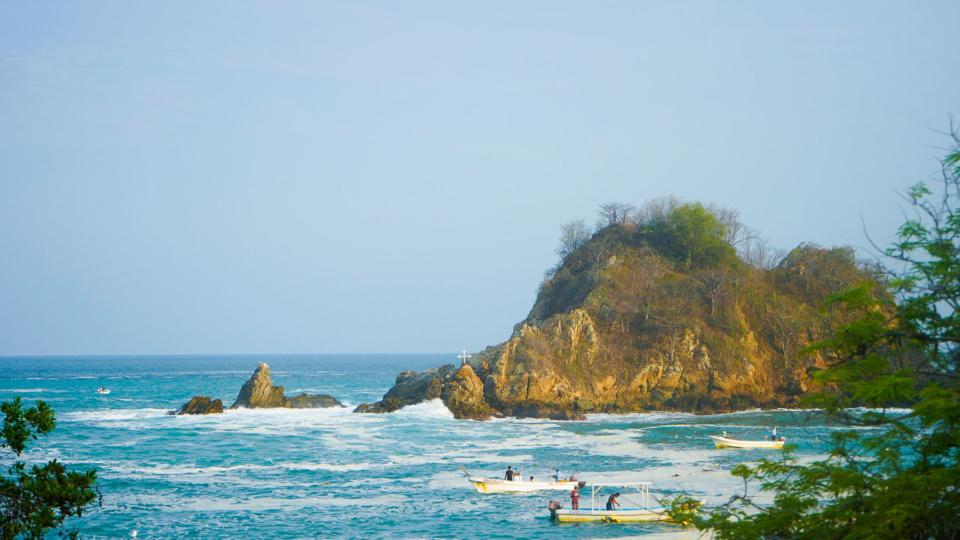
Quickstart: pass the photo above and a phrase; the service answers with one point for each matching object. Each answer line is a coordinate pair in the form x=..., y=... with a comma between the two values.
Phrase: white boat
x=727, y=442
x=103, y=391
x=635, y=507
x=518, y=485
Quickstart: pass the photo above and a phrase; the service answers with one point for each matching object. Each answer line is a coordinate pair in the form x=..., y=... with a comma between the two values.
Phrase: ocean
x=335, y=474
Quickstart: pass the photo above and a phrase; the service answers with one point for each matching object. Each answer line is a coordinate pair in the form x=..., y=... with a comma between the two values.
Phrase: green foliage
x=692, y=235
x=36, y=499
x=902, y=478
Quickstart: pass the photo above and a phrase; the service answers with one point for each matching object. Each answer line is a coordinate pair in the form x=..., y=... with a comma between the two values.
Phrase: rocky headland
x=658, y=312
x=260, y=393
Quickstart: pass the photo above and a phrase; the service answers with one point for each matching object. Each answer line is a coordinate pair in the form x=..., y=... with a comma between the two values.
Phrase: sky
x=337, y=177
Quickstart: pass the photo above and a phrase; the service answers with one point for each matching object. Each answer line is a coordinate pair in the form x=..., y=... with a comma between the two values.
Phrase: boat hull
x=637, y=515
x=496, y=485
x=725, y=442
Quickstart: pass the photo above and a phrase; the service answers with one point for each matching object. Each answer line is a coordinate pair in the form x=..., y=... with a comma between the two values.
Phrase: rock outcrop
x=200, y=405
x=259, y=393
x=410, y=387
x=628, y=323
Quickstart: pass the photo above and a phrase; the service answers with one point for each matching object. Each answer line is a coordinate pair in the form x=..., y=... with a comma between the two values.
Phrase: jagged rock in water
x=462, y=393
x=622, y=327
x=312, y=401
x=259, y=393
x=201, y=405
x=410, y=387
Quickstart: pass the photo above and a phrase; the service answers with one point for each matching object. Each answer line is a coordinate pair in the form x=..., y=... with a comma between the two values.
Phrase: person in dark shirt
x=509, y=475
x=612, y=502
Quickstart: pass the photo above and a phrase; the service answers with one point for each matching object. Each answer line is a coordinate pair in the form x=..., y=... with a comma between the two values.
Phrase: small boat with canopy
x=634, y=507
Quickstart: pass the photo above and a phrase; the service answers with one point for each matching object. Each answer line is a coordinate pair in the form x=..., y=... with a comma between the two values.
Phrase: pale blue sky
x=391, y=177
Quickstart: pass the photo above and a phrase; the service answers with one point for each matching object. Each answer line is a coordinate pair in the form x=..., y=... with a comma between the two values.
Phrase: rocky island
x=675, y=307
x=260, y=393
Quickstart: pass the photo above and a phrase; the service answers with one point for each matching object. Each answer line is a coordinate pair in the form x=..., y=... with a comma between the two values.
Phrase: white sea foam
x=335, y=467
x=456, y=457
x=31, y=390
x=432, y=409
x=287, y=504
x=447, y=480
x=226, y=473
x=113, y=415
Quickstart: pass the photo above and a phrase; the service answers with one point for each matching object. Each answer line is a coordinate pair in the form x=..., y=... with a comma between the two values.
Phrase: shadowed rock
x=312, y=401
x=410, y=387
x=259, y=393
x=201, y=405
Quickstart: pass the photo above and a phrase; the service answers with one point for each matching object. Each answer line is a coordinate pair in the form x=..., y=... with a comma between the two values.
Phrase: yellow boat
x=638, y=510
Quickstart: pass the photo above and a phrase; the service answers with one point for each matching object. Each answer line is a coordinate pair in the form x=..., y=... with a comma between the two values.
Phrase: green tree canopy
x=901, y=479
x=38, y=498
x=693, y=235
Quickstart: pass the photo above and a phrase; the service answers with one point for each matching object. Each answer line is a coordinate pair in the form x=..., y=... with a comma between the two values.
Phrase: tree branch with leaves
x=902, y=478
x=35, y=499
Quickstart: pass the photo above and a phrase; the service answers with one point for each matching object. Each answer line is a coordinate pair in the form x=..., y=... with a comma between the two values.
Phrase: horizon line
x=153, y=355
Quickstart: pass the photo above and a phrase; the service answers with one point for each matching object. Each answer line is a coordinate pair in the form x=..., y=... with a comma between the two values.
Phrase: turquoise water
x=332, y=473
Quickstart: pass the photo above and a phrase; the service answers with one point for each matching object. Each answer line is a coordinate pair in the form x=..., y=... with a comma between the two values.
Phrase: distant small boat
x=500, y=485
x=103, y=391
x=597, y=513
x=727, y=442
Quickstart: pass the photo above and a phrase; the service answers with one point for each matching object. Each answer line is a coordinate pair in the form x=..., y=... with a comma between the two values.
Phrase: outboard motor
x=582, y=483
x=553, y=506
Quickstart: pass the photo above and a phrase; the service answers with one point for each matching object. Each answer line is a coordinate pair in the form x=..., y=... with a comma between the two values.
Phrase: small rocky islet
x=259, y=393
x=654, y=314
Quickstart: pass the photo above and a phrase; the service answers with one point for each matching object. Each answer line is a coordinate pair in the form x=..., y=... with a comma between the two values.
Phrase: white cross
x=463, y=357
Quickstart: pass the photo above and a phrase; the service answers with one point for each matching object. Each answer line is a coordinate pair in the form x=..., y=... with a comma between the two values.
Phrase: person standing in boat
x=612, y=502
x=509, y=475
x=556, y=475
x=575, y=498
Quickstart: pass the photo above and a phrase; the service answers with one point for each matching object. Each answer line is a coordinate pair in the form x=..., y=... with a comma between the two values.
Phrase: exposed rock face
x=312, y=401
x=621, y=328
x=259, y=393
x=410, y=387
x=462, y=391
x=201, y=405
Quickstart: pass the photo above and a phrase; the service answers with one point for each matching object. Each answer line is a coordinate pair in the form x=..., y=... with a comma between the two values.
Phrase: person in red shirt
x=575, y=498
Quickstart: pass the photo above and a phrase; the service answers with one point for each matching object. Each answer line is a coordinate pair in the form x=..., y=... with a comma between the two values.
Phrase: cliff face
x=630, y=323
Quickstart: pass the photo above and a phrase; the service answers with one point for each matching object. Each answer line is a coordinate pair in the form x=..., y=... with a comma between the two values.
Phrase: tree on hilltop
x=614, y=213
